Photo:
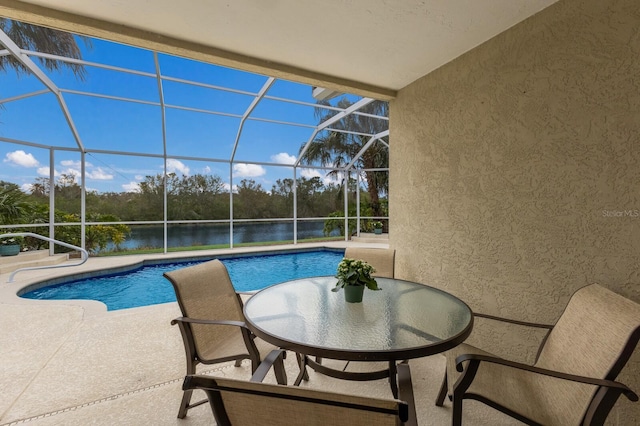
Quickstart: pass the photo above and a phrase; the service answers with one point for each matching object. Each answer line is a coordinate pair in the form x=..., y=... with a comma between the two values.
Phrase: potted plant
x=9, y=246
x=353, y=276
x=377, y=227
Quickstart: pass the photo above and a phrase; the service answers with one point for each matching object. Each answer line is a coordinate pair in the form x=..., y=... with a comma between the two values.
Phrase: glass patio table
x=402, y=321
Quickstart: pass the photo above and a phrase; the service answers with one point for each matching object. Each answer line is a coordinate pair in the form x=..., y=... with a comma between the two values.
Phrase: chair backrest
x=236, y=402
x=205, y=291
x=594, y=337
x=382, y=260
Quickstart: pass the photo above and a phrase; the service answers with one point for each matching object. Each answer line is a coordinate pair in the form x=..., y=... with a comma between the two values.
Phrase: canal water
x=187, y=235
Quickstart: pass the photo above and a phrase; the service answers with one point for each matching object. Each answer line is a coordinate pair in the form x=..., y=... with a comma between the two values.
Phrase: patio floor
x=74, y=363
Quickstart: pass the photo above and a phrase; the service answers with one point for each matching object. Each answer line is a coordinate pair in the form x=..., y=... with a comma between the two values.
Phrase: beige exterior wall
x=515, y=169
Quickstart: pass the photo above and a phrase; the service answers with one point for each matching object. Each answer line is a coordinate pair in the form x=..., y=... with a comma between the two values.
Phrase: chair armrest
x=477, y=358
x=209, y=322
x=267, y=363
x=510, y=321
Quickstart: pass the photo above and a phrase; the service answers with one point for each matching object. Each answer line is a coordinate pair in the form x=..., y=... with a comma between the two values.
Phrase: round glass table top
x=403, y=320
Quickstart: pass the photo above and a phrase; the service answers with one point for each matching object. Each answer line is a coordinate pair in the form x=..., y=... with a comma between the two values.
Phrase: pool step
x=30, y=259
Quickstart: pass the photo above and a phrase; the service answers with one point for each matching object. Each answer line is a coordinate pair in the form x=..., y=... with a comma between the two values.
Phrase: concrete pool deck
x=74, y=363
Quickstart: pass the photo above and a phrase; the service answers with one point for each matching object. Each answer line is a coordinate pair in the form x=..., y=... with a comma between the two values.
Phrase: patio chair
x=572, y=381
x=212, y=324
x=236, y=402
x=382, y=260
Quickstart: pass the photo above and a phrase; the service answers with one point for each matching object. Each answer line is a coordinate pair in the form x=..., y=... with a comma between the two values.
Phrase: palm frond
x=41, y=39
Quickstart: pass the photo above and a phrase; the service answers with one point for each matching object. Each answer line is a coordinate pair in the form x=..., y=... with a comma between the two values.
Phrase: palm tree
x=41, y=39
x=13, y=203
x=339, y=149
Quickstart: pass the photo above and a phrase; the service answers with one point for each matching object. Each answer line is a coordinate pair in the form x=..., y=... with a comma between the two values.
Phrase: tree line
x=194, y=197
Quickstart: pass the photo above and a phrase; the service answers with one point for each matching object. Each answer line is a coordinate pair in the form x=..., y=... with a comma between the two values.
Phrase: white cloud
x=139, y=177
x=177, y=166
x=21, y=158
x=70, y=171
x=206, y=170
x=311, y=173
x=248, y=170
x=44, y=171
x=226, y=187
x=131, y=187
x=75, y=164
x=27, y=187
x=99, y=174
x=283, y=158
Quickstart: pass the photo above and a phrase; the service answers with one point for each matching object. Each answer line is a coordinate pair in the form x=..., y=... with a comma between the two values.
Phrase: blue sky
x=114, y=125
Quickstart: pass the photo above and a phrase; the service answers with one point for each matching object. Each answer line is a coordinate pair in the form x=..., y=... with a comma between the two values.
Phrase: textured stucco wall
x=515, y=169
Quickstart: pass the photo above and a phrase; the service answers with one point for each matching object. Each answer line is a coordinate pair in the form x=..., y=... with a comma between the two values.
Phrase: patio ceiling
x=368, y=47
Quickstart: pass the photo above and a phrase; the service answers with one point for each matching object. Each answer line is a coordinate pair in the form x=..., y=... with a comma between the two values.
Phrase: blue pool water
x=146, y=285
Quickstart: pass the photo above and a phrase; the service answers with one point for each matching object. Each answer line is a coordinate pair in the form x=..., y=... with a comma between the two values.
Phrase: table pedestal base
x=391, y=373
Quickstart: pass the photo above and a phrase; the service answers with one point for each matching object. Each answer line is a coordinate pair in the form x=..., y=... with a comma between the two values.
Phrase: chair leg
x=456, y=415
x=279, y=371
x=184, y=405
x=302, y=363
x=443, y=391
x=460, y=389
x=186, y=395
x=238, y=363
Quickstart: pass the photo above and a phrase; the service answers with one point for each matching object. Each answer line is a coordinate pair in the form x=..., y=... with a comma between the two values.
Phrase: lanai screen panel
x=68, y=186
x=186, y=236
x=173, y=67
x=20, y=120
x=301, y=115
x=24, y=166
x=114, y=83
x=13, y=86
x=268, y=142
x=112, y=173
x=197, y=190
x=116, y=125
x=198, y=134
x=254, y=194
x=128, y=187
x=119, y=55
x=187, y=95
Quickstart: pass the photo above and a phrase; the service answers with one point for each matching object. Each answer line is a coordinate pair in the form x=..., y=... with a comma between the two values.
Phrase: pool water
x=146, y=285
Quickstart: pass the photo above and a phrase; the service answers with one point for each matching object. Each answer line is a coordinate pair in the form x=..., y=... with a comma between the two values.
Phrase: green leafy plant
x=377, y=225
x=355, y=272
x=13, y=204
x=13, y=241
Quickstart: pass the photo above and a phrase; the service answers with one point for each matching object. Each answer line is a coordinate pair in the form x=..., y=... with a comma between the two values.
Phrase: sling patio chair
x=236, y=402
x=212, y=324
x=572, y=381
x=382, y=260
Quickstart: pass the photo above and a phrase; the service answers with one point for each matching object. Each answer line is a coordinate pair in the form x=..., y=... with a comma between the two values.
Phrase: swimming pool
x=146, y=285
